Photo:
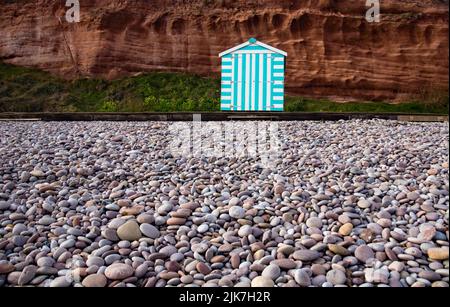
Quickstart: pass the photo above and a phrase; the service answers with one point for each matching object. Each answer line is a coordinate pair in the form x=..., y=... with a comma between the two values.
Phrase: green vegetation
x=300, y=104
x=30, y=90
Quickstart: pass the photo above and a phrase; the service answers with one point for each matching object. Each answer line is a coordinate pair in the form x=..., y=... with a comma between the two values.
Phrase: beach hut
x=252, y=77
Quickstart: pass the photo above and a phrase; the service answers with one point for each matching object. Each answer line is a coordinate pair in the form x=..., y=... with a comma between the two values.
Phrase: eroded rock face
x=333, y=51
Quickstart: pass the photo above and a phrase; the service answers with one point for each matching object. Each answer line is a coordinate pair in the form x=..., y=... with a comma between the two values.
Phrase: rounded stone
x=413, y=196
x=271, y=271
x=429, y=275
x=363, y=204
x=314, y=222
x=427, y=232
x=19, y=228
x=302, y=277
x=95, y=261
x=203, y=228
x=364, y=253
x=110, y=234
x=27, y=275
x=176, y=221
x=236, y=212
x=149, y=230
x=235, y=261
x=338, y=249
x=245, y=231
x=336, y=277
x=397, y=266
x=346, y=229
x=233, y=202
x=306, y=255
x=438, y=253
x=46, y=220
x=262, y=282
x=119, y=271
x=94, y=281
x=19, y=240
x=145, y=218
x=60, y=282
x=6, y=267
x=203, y=268
x=129, y=231
x=45, y=262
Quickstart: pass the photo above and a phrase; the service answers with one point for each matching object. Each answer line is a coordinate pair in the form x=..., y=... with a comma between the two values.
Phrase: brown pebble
x=218, y=258
x=235, y=261
x=203, y=268
x=176, y=221
x=6, y=268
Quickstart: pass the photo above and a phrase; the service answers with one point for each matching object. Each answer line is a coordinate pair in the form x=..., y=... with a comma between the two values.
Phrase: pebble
x=110, y=203
x=94, y=281
x=149, y=230
x=46, y=220
x=145, y=218
x=272, y=271
x=129, y=231
x=61, y=282
x=95, y=261
x=176, y=221
x=314, y=222
x=46, y=261
x=6, y=267
x=397, y=266
x=110, y=234
x=438, y=253
x=119, y=271
x=346, y=229
x=413, y=196
x=245, y=231
x=235, y=261
x=429, y=275
x=338, y=249
x=203, y=268
x=203, y=228
x=427, y=232
x=286, y=249
x=27, y=275
x=285, y=264
x=302, y=277
x=262, y=282
x=363, y=204
x=306, y=255
x=364, y=253
x=336, y=277
x=236, y=212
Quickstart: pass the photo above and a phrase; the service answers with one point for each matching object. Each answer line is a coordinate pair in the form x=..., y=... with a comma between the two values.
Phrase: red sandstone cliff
x=333, y=50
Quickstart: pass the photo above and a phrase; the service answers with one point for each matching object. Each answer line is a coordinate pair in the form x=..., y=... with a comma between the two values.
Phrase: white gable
x=253, y=41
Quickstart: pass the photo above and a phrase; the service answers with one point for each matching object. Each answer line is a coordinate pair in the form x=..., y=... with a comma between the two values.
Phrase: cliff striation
x=333, y=51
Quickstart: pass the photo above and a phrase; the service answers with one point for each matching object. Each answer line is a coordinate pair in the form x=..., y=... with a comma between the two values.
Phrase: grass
x=300, y=104
x=31, y=90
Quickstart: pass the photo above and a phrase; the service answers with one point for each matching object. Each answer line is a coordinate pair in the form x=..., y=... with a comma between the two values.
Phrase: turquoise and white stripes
x=253, y=79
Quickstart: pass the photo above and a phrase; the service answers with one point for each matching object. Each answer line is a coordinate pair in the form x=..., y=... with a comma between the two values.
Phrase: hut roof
x=253, y=41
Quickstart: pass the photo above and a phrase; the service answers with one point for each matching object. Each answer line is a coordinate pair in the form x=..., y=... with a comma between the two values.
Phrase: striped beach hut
x=253, y=77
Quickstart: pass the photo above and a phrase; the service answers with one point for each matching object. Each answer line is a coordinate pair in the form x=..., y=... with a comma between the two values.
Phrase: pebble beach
x=106, y=204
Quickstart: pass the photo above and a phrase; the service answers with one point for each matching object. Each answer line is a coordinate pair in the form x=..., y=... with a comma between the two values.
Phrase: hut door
x=256, y=82
x=251, y=82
